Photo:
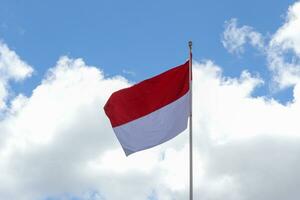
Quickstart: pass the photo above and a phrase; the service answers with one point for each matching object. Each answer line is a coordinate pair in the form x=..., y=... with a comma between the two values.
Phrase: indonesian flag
x=152, y=111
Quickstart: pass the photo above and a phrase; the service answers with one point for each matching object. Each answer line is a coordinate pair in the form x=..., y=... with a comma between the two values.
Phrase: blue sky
x=61, y=60
x=144, y=37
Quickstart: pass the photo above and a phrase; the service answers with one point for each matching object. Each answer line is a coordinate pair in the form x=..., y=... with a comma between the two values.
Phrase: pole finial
x=190, y=44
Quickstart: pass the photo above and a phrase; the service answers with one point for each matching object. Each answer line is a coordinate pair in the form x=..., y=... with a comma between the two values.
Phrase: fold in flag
x=152, y=111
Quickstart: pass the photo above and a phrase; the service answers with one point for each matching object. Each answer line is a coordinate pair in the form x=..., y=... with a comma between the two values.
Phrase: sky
x=61, y=60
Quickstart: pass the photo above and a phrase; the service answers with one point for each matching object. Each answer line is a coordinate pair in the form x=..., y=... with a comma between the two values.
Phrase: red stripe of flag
x=147, y=96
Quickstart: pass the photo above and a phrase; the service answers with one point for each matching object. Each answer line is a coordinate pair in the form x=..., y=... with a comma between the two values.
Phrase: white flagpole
x=191, y=122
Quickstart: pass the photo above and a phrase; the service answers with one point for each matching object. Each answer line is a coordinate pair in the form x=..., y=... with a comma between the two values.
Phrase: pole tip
x=190, y=44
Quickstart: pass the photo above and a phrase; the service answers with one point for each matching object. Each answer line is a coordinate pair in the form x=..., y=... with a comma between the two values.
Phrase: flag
x=152, y=111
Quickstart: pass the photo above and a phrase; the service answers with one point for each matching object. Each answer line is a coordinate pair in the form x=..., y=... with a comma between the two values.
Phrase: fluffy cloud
x=56, y=130
x=60, y=144
x=11, y=68
x=282, y=50
x=249, y=146
x=288, y=35
x=234, y=37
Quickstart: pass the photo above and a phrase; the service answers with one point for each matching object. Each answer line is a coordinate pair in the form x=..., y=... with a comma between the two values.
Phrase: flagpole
x=191, y=121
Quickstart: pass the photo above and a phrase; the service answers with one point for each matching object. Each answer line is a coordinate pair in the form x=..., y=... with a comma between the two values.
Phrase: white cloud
x=286, y=41
x=234, y=38
x=128, y=72
x=246, y=142
x=282, y=50
x=11, y=68
x=288, y=36
x=59, y=142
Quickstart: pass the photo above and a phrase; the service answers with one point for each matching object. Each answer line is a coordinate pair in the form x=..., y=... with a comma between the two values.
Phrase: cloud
x=58, y=129
x=282, y=49
x=249, y=146
x=287, y=36
x=128, y=72
x=60, y=144
x=234, y=38
x=11, y=68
